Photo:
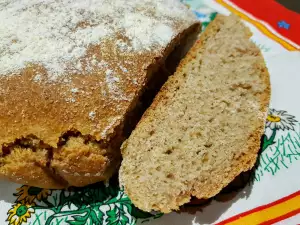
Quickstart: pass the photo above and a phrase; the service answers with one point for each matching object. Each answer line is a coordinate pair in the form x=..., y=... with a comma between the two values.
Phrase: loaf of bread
x=204, y=126
x=71, y=76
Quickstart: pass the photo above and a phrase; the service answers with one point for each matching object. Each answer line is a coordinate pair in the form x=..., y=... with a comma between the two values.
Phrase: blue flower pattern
x=283, y=24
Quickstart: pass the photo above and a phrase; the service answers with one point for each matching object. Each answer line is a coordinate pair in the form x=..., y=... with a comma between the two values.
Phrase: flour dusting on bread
x=72, y=73
x=57, y=33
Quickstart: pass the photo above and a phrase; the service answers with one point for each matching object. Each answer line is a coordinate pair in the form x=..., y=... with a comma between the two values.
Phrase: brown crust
x=48, y=111
x=27, y=167
x=244, y=162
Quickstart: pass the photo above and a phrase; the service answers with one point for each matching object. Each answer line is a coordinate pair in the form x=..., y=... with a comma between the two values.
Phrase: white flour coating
x=123, y=46
x=123, y=69
x=111, y=81
x=102, y=64
x=74, y=90
x=56, y=33
x=92, y=115
x=37, y=78
x=134, y=81
x=70, y=100
x=111, y=123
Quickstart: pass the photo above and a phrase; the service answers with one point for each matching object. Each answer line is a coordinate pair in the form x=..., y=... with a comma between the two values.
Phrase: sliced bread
x=204, y=127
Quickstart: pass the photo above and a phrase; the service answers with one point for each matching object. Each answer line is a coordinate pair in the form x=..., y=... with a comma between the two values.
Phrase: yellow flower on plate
x=19, y=214
x=28, y=194
x=280, y=120
x=187, y=5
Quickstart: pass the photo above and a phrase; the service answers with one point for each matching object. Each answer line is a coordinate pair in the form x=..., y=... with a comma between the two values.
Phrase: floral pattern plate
x=269, y=194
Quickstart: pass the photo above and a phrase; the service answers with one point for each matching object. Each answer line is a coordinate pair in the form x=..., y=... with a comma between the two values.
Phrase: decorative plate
x=269, y=194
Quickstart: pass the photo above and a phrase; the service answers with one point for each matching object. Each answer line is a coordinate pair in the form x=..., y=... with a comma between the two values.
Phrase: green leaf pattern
x=92, y=205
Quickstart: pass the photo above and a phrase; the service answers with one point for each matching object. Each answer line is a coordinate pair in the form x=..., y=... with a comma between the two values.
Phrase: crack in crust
x=44, y=163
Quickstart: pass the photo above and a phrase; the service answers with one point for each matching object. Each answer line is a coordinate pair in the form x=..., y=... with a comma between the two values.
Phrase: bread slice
x=204, y=126
x=71, y=76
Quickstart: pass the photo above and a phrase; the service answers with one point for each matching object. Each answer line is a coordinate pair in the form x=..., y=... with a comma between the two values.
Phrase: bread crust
x=77, y=107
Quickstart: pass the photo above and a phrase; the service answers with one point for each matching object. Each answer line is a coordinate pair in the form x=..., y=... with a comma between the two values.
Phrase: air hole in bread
x=208, y=145
x=205, y=158
x=170, y=176
x=169, y=151
x=226, y=102
x=151, y=132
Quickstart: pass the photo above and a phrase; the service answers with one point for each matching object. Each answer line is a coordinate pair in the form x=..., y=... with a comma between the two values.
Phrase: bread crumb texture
x=70, y=72
x=204, y=127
